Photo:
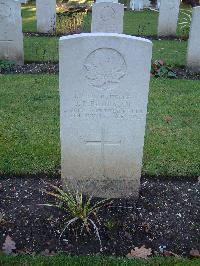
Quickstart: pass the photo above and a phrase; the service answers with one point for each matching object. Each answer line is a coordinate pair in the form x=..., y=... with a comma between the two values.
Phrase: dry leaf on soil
x=8, y=245
x=194, y=253
x=171, y=254
x=141, y=252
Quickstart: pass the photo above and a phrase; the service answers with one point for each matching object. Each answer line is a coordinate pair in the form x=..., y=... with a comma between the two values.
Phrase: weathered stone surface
x=137, y=5
x=106, y=1
x=107, y=17
x=168, y=17
x=104, y=84
x=46, y=16
x=11, y=37
x=193, y=53
x=146, y=3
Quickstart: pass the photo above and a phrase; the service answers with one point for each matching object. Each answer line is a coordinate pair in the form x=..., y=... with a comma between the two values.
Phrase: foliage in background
x=160, y=70
x=69, y=22
x=6, y=66
x=185, y=19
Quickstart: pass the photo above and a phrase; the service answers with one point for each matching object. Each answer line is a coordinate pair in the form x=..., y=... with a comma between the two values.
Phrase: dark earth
x=53, y=68
x=150, y=37
x=167, y=214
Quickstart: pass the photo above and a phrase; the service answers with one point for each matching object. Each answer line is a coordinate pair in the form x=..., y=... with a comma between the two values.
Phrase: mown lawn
x=62, y=260
x=135, y=23
x=40, y=49
x=29, y=18
x=29, y=129
x=143, y=23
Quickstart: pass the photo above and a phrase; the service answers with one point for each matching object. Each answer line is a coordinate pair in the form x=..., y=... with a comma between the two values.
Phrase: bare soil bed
x=166, y=214
x=53, y=68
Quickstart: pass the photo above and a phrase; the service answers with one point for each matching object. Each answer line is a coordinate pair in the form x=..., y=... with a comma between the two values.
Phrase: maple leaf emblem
x=104, y=67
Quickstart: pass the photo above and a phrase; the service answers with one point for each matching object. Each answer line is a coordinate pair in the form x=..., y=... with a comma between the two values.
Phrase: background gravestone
x=193, y=53
x=107, y=17
x=168, y=17
x=11, y=36
x=46, y=16
x=137, y=5
x=104, y=84
x=106, y=1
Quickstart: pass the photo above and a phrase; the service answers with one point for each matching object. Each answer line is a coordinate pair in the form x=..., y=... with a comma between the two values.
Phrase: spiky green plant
x=78, y=207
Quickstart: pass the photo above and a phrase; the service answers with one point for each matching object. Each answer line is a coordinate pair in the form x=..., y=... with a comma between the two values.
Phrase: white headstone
x=146, y=3
x=46, y=16
x=193, y=53
x=11, y=36
x=106, y=1
x=23, y=1
x=107, y=17
x=104, y=84
x=158, y=4
x=168, y=17
x=137, y=5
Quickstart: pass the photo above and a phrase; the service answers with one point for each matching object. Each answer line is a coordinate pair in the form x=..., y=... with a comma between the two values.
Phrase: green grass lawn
x=62, y=260
x=143, y=23
x=29, y=18
x=39, y=49
x=29, y=129
x=135, y=23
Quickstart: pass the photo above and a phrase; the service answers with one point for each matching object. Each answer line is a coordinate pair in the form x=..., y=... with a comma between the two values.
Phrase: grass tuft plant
x=80, y=208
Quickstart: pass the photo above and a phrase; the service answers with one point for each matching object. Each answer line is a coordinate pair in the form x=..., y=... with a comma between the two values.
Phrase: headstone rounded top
x=5, y=10
x=103, y=34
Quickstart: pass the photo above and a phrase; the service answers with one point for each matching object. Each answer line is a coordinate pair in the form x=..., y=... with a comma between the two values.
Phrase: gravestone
x=193, y=53
x=158, y=4
x=168, y=17
x=11, y=36
x=23, y=1
x=107, y=17
x=146, y=3
x=106, y=1
x=104, y=84
x=137, y=5
x=46, y=16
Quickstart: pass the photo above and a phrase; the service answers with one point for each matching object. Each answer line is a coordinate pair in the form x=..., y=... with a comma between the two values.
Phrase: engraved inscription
x=110, y=106
x=170, y=4
x=103, y=142
x=5, y=11
x=5, y=46
x=107, y=13
x=104, y=68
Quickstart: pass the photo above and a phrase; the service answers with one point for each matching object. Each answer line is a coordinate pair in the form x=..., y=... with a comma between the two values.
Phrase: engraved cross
x=7, y=47
x=103, y=142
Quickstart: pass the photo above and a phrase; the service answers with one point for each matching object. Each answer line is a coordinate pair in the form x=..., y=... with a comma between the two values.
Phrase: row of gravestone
x=106, y=17
x=104, y=84
x=141, y=4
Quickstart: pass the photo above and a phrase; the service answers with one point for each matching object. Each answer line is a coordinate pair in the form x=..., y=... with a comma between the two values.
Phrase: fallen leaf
x=141, y=252
x=8, y=245
x=194, y=253
x=46, y=252
x=146, y=227
x=168, y=118
x=171, y=254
